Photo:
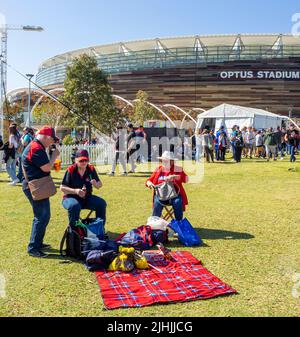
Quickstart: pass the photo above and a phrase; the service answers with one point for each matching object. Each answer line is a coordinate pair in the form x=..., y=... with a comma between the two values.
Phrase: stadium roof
x=199, y=42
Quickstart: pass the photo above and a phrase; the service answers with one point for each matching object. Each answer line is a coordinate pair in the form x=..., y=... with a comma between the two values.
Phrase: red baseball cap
x=82, y=155
x=48, y=131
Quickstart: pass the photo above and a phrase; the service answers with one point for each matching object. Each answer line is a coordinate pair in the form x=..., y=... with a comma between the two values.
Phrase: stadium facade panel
x=260, y=71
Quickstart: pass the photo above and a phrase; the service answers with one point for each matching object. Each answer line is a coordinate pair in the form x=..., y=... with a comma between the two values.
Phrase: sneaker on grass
x=45, y=246
x=38, y=254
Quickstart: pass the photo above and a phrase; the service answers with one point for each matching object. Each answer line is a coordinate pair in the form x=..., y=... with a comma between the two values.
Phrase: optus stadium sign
x=263, y=75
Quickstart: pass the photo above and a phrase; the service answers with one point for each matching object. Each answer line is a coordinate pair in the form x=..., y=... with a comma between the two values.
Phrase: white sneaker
x=13, y=183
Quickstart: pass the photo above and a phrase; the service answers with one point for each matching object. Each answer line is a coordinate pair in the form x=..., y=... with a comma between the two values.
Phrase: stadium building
x=185, y=76
x=198, y=72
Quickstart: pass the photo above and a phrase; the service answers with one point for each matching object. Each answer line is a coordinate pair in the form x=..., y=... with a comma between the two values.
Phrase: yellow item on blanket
x=121, y=263
x=127, y=260
x=140, y=262
x=127, y=251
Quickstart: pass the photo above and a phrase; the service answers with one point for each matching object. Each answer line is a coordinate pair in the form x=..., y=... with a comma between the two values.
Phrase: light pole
x=3, y=71
x=29, y=76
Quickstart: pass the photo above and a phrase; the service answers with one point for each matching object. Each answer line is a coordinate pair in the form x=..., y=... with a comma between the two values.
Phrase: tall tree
x=142, y=110
x=13, y=112
x=90, y=95
x=50, y=113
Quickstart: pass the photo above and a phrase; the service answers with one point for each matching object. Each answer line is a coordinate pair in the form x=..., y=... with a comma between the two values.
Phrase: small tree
x=142, y=110
x=89, y=94
x=68, y=140
x=50, y=113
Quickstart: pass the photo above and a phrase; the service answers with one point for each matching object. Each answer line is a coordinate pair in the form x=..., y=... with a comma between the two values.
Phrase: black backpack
x=73, y=240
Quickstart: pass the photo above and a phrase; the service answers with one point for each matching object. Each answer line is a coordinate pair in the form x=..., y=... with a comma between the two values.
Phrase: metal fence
x=102, y=154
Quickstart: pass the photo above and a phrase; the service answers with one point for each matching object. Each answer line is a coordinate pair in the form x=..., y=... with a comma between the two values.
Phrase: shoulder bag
x=42, y=188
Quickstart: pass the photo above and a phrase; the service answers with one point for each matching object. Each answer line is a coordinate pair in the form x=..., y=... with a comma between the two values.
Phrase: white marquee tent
x=230, y=115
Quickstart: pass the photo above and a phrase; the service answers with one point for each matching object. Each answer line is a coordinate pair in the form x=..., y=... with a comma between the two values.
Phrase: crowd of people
x=128, y=147
x=247, y=143
x=13, y=151
x=80, y=140
x=36, y=154
x=78, y=183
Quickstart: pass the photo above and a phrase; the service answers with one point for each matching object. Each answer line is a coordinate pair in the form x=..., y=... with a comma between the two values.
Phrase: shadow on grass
x=219, y=234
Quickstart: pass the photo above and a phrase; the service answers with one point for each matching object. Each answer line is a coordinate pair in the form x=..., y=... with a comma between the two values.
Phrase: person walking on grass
x=198, y=146
x=28, y=137
x=132, y=148
x=120, y=151
x=208, y=144
x=271, y=144
x=249, y=142
x=37, y=165
x=235, y=130
x=223, y=143
x=12, y=155
x=260, y=150
x=292, y=141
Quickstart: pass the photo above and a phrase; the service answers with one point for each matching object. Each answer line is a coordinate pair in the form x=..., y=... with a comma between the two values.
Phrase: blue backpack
x=186, y=233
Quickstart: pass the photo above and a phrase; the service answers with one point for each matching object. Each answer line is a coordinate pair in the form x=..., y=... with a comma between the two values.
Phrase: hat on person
x=167, y=155
x=82, y=155
x=48, y=131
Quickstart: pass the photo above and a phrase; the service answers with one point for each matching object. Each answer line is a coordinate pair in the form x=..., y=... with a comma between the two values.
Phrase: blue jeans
x=175, y=203
x=41, y=212
x=92, y=202
x=233, y=147
x=293, y=150
x=198, y=153
x=20, y=174
x=11, y=168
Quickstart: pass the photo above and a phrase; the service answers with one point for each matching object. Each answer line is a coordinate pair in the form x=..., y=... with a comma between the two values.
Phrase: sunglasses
x=83, y=161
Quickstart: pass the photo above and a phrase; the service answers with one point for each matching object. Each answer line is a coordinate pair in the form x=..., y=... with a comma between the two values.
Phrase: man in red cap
x=37, y=165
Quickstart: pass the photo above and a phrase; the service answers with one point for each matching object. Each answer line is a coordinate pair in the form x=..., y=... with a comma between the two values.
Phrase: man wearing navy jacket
x=37, y=165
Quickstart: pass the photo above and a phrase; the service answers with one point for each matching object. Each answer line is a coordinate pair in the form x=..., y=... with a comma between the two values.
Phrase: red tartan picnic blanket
x=183, y=280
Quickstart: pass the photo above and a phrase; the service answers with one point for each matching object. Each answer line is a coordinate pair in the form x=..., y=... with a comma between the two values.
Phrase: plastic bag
x=95, y=228
x=186, y=233
x=157, y=223
x=140, y=262
x=123, y=262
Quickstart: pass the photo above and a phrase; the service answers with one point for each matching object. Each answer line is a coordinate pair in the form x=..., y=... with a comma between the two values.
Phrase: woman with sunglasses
x=77, y=186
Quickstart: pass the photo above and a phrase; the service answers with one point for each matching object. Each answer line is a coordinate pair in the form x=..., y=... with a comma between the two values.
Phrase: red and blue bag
x=140, y=238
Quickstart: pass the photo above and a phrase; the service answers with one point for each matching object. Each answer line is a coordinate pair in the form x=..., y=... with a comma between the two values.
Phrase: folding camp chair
x=88, y=217
x=168, y=213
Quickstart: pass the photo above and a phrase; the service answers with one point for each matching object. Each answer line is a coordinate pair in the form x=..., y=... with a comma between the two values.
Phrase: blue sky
x=74, y=24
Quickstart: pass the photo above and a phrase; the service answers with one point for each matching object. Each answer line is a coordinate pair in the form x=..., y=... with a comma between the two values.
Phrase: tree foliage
x=50, y=113
x=142, y=110
x=90, y=95
x=13, y=112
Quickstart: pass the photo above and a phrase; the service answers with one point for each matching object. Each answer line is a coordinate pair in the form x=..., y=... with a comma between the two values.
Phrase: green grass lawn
x=248, y=216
